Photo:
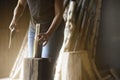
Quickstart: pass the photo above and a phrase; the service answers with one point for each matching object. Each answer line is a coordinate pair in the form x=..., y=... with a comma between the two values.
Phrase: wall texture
x=8, y=56
x=108, y=49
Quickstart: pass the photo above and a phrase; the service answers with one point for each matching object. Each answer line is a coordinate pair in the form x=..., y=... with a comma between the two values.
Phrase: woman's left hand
x=43, y=38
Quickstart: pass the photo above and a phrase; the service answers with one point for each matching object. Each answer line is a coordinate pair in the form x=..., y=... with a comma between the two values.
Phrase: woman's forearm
x=55, y=23
x=58, y=16
x=18, y=11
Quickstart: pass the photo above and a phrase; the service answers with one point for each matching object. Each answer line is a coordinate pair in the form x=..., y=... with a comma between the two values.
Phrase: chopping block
x=36, y=69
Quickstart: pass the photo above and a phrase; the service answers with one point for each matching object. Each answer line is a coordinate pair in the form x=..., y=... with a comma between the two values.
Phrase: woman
x=47, y=13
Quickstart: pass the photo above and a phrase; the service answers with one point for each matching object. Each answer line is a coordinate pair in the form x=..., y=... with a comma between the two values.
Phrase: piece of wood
x=36, y=41
x=94, y=36
x=87, y=65
x=70, y=60
x=74, y=65
x=71, y=66
x=36, y=69
x=70, y=28
x=67, y=44
x=89, y=69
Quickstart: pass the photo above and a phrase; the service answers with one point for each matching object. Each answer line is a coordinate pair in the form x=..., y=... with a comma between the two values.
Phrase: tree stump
x=36, y=69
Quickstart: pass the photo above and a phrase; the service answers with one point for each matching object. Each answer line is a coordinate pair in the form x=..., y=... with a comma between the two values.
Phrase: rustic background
x=108, y=48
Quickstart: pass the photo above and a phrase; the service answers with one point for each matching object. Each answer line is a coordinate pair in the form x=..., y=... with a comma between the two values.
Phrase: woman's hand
x=43, y=38
x=12, y=25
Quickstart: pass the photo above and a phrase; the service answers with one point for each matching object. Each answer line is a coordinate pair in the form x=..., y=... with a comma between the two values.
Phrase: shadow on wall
x=108, y=48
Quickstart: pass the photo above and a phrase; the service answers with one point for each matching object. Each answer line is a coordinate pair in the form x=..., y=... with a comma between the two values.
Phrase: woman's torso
x=41, y=10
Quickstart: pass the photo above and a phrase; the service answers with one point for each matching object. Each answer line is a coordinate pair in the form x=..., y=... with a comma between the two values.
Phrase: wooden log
x=74, y=65
x=70, y=28
x=86, y=26
x=87, y=67
x=93, y=40
x=71, y=66
x=81, y=12
x=36, y=69
x=70, y=61
x=83, y=19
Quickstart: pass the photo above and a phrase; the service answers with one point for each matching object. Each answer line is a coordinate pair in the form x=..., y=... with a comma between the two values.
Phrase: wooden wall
x=8, y=56
x=108, y=48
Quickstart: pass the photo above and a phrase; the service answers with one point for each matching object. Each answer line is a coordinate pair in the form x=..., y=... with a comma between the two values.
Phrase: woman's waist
x=43, y=18
x=46, y=24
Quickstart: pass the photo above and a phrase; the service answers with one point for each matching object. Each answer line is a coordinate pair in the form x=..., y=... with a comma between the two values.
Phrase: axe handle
x=36, y=41
x=11, y=34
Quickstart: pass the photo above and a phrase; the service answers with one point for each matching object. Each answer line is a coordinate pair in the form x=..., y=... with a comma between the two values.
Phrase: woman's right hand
x=12, y=25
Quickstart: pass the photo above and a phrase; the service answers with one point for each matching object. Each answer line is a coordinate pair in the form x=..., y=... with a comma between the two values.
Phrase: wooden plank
x=36, y=41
